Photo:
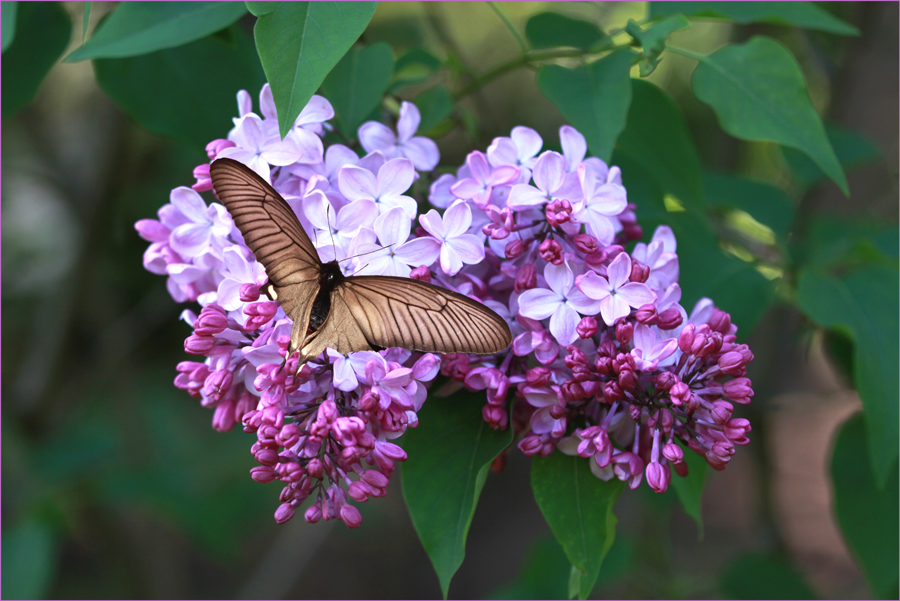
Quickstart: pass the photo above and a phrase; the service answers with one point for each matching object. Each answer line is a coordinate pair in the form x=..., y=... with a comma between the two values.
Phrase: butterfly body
x=347, y=313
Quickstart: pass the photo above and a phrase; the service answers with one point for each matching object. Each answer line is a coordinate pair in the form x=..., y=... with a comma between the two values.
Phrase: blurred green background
x=114, y=484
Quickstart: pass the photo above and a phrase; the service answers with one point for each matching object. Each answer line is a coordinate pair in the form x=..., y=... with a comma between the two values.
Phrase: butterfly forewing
x=366, y=312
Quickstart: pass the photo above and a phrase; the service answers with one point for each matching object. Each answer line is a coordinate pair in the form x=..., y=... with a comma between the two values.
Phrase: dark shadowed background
x=115, y=485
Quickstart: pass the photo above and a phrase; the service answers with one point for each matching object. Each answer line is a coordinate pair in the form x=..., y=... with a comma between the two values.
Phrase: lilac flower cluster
x=605, y=362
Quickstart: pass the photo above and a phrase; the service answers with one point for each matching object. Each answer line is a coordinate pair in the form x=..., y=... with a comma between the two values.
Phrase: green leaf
x=758, y=93
x=653, y=39
x=550, y=30
x=866, y=513
x=851, y=148
x=85, y=21
x=802, y=14
x=435, y=105
x=42, y=34
x=299, y=43
x=593, y=98
x=413, y=68
x=199, y=81
x=863, y=304
x=764, y=576
x=690, y=488
x=357, y=83
x=449, y=456
x=656, y=136
x=767, y=204
x=9, y=23
x=578, y=506
x=29, y=550
x=137, y=28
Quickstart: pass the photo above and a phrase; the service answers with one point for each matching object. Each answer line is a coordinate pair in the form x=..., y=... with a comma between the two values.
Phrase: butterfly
x=346, y=313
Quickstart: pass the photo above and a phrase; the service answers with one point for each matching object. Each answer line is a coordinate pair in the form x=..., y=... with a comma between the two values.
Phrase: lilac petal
x=542, y=422
x=612, y=308
x=433, y=224
x=408, y=122
x=392, y=227
x=505, y=174
x=538, y=303
x=540, y=397
x=267, y=103
x=376, y=136
x=636, y=294
x=573, y=146
x=250, y=134
x=503, y=151
x=357, y=214
x=619, y=270
x=397, y=268
x=587, y=177
x=478, y=166
x=319, y=211
x=666, y=236
x=451, y=262
x=664, y=349
x=601, y=227
x=236, y=265
x=245, y=103
x=419, y=251
x=644, y=339
x=423, y=152
x=594, y=286
x=579, y=301
x=344, y=376
x=563, y=323
x=183, y=273
x=229, y=294
x=702, y=312
x=318, y=109
x=373, y=161
x=190, y=239
x=457, y=219
x=427, y=367
x=469, y=247
x=309, y=146
x=610, y=199
x=395, y=177
x=407, y=203
x=549, y=172
x=336, y=157
x=356, y=183
x=570, y=189
x=528, y=141
x=152, y=230
x=439, y=194
x=466, y=188
x=190, y=203
x=523, y=196
x=559, y=278
x=155, y=258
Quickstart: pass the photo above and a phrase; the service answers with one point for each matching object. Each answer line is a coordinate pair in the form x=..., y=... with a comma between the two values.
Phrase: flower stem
x=512, y=29
x=685, y=52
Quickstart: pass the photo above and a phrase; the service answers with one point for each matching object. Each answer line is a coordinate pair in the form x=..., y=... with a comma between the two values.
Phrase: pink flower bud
x=673, y=453
x=658, y=476
x=680, y=393
x=259, y=314
x=537, y=376
x=721, y=412
x=686, y=339
x=639, y=272
x=738, y=390
x=551, y=251
x=681, y=468
x=514, y=249
x=627, y=380
x=313, y=514
x=217, y=384
x=359, y=491
x=263, y=474
x=665, y=380
x=731, y=363
x=375, y=478
x=198, y=345
x=587, y=327
x=612, y=392
x=211, y=321
x=421, y=273
x=604, y=366
x=597, y=260
x=624, y=332
x=284, y=513
x=736, y=430
x=216, y=146
x=646, y=314
x=249, y=293
x=495, y=416
x=720, y=321
x=526, y=279
x=201, y=174
x=586, y=243
x=558, y=212
x=670, y=319
x=531, y=445
x=351, y=516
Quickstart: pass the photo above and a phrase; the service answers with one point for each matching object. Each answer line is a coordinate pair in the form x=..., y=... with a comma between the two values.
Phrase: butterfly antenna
x=366, y=253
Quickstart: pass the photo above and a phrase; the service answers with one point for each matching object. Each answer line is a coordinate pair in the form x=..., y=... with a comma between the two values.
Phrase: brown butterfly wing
x=272, y=231
x=369, y=312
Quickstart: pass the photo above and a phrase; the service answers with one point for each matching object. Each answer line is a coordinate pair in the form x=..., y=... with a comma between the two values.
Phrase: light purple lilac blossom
x=605, y=363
